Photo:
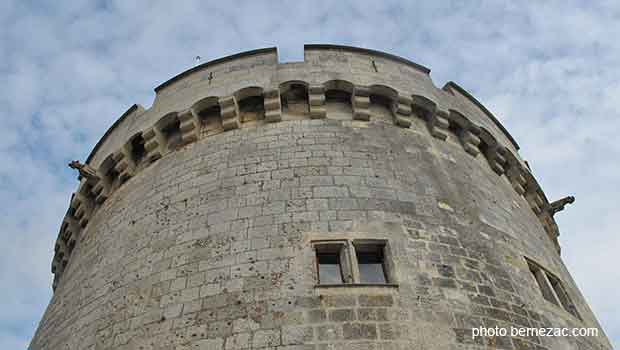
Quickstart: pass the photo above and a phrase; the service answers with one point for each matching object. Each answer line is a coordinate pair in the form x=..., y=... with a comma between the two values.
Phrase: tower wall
x=203, y=223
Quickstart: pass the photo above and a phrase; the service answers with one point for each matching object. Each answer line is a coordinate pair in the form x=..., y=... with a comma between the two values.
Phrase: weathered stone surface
x=208, y=245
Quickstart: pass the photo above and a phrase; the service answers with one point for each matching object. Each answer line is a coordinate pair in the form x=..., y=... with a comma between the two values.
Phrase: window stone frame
x=348, y=261
x=552, y=288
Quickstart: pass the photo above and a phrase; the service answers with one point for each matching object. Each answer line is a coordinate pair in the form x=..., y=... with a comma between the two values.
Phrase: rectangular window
x=353, y=262
x=551, y=288
x=557, y=286
x=330, y=271
x=371, y=264
x=541, y=280
x=329, y=261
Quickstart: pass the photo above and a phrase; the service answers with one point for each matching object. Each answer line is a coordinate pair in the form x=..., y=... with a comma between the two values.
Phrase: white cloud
x=549, y=70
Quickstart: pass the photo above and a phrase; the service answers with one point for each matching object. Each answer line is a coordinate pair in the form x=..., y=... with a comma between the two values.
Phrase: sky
x=550, y=71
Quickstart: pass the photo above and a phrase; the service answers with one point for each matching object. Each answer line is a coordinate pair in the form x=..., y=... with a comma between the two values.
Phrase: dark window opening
x=371, y=262
x=137, y=149
x=252, y=108
x=107, y=169
x=381, y=100
x=454, y=128
x=65, y=236
x=252, y=104
x=330, y=271
x=421, y=112
x=64, y=227
x=210, y=114
x=172, y=133
x=296, y=93
x=79, y=214
x=542, y=281
x=211, y=118
x=295, y=100
x=484, y=147
x=70, y=246
x=568, y=305
x=112, y=175
x=339, y=96
x=88, y=193
x=381, y=108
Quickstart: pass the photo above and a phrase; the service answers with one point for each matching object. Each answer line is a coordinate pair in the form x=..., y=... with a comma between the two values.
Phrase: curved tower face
x=342, y=202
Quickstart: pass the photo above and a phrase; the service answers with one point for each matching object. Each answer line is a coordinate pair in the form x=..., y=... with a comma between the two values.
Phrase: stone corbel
x=497, y=161
x=71, y=229
x=189, y=124
x=273, y=106
x=154, y=143
x=60, y=249
x=468, y=132
x=360, y=101
x=71, y=225
x=101, y=189
x=516, y=178
x=59, y=254
x=316, y=101
x=470, y=139
x=230, y=112
x=438, y=124
x=82, y=208
x=124, y=165
x=401, y=109
x=55, y=266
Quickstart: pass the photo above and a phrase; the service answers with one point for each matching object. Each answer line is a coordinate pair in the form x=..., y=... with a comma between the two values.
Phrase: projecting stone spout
x=85, y=170
x=559, y=205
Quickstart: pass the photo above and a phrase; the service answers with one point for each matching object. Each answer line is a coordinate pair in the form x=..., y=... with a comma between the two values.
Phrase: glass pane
x=329, y=269
x=371, y=268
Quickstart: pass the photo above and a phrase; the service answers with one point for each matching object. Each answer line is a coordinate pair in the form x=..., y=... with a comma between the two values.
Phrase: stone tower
x=342, y=202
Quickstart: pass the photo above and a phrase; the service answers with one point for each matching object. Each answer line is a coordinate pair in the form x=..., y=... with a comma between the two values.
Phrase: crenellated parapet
x=252, y=89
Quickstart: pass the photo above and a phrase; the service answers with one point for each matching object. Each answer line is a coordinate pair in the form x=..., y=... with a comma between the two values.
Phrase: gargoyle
x=86, y=171
x=559, y=205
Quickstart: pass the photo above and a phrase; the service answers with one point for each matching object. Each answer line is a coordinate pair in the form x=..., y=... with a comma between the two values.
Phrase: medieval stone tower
x=342, y=202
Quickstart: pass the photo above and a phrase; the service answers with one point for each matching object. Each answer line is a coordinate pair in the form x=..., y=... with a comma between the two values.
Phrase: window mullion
x=350, y=266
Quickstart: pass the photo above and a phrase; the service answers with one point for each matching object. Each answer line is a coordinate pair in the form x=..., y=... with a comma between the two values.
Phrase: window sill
x=356, y=285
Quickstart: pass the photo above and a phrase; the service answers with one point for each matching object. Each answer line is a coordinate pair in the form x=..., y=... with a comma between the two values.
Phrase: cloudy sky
x=550, y=72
